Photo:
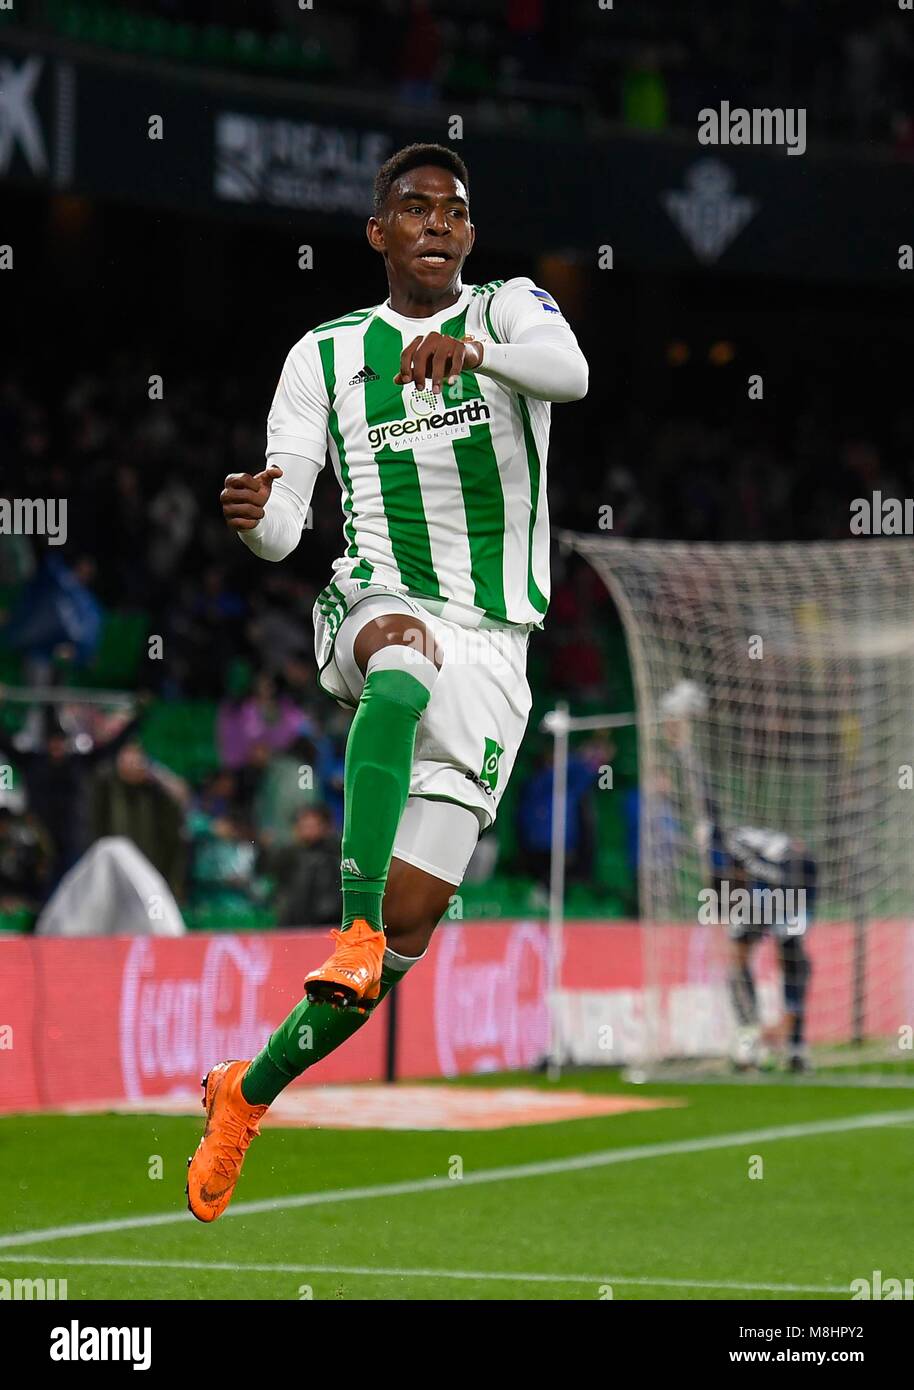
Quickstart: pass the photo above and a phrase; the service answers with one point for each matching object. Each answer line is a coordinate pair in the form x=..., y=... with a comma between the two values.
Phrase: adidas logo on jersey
x=366, y=374
x=349, y=866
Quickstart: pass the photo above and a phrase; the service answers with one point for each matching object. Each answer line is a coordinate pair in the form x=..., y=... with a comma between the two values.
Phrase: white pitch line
x=601, y=1159
x=380, y=1271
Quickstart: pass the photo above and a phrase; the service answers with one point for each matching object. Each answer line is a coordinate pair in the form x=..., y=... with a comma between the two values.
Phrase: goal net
x=775, y=694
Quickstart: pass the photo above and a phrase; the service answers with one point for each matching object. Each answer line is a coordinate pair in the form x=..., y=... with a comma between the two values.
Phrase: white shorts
x=470, y=733
x=437, y=836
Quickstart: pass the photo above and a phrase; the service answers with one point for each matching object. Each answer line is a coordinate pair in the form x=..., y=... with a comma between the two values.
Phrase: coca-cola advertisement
x=140, y=1018
x=121, y=1019
x=170, y=1026
x=487, y=1010
x=127, y=1020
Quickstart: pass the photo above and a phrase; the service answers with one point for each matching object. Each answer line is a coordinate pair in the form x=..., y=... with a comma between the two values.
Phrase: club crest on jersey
x=489, y=773
x=423, y=402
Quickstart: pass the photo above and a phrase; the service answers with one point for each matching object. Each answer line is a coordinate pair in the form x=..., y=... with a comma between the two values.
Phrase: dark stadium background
x=577, y=123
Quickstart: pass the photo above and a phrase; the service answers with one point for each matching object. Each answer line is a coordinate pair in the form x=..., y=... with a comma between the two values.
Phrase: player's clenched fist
x=436, y=356
x=244, y=497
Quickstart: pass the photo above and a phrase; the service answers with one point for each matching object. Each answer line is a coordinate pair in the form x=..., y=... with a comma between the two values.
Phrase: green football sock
x=379, y=760
x=309, y=1033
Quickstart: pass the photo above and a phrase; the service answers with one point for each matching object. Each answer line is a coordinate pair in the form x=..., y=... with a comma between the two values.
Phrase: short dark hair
x=412, y=157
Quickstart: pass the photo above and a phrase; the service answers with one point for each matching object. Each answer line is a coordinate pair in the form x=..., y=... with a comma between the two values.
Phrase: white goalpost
x=560, y=724
x=775, y=713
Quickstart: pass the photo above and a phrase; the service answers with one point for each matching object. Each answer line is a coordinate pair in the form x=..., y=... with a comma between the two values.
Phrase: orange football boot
x=231, y=1124
x=351, y=977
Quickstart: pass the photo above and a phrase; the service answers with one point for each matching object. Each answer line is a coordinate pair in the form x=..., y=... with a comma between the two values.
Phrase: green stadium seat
x=502, y=896
x=282, y=52
x=103, y=27
x=126, y=33
x=118, y=657
x=250, y=49
x=153, y=35
x=220, y=916
x=216, y=45
x=182, y=735
x=16, y=923
x=625, y=763
x=182, y=41
x=75, y=21
x=312, y=60
x=10, y=668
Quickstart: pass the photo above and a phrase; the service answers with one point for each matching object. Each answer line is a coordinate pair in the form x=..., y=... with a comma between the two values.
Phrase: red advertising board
x=100, y=1019
x=126, y=1019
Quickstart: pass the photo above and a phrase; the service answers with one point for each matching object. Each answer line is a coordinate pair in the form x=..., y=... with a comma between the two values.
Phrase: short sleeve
x=297, y=422
x=520, y=304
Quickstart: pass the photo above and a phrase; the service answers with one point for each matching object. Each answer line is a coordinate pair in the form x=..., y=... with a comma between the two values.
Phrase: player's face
x=425, y=232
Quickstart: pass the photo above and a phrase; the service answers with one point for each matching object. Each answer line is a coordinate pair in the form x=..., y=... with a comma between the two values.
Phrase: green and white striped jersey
x=443, y=497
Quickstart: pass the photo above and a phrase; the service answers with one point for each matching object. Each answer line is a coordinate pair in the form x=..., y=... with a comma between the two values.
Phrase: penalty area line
x=382, y=1272
x=551, y=1167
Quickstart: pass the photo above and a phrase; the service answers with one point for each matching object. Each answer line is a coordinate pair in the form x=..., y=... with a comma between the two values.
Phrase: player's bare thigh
x=395, y=629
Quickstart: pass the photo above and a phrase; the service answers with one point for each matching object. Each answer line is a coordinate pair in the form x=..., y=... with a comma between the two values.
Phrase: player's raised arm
x=538, y=354
x=270, y=510
x=244, y=497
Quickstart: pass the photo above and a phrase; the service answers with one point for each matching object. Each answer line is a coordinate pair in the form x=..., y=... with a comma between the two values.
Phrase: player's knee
x=401, y=927
x=405, y=915
x=396, y=630
x=412, y=911
x=409, y=929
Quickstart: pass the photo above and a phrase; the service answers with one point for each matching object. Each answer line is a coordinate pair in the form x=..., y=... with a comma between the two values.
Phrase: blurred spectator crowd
x=531, y=62
x=258, y=835
x=253, y=827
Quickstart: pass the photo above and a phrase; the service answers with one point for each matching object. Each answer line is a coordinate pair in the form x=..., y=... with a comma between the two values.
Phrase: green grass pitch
x=676, y=1215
